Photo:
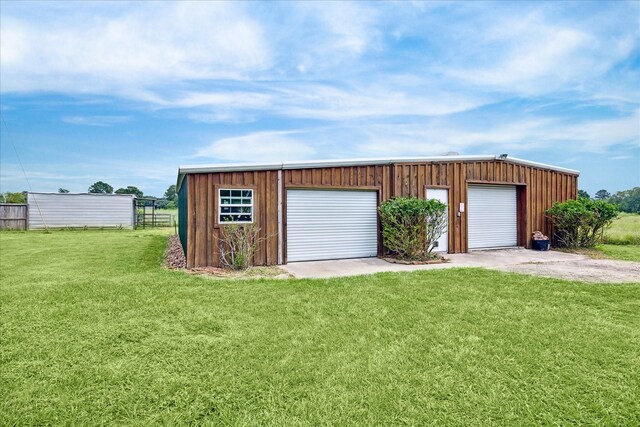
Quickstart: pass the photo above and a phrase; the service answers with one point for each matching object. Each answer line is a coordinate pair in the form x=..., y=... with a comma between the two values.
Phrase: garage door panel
x=492, y=216
x=323, y=224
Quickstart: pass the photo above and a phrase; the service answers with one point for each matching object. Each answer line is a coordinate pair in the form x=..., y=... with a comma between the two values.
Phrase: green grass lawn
x=622, y=252
x=95, y=331
x=622, y=240
x=625, y=230
x=173, y=212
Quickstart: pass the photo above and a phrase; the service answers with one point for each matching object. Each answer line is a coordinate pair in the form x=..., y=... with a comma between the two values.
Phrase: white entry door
x=492, y=215
x=331, y=224
x=441, y=194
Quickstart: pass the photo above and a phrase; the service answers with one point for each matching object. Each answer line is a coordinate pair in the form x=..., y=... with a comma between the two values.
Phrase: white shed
x=59, y=210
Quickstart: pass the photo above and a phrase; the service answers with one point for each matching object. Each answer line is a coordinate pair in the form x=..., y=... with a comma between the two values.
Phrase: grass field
x=95, y=331
x=622, y=252
x=173, y=212
x=625, y=230
x=622, y=240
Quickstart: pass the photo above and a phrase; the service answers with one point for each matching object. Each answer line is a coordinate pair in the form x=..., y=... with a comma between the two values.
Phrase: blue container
x=540, y=245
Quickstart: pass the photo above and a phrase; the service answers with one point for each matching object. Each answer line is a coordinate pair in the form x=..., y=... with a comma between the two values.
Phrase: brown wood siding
x=203, y=230
x=537, y=190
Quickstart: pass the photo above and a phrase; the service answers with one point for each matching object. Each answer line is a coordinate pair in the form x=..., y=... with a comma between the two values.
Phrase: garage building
x=317, y=210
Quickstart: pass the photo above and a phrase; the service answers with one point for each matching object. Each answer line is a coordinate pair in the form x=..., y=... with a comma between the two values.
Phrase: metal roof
x=309, y=164
x=82, y=194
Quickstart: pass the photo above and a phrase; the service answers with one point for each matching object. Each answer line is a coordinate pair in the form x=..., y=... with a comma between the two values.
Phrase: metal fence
x=13, y=216
x=154, y=220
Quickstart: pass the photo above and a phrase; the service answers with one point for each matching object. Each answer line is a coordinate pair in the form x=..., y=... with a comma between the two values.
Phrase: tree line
x=168, y=201
x=626, y=201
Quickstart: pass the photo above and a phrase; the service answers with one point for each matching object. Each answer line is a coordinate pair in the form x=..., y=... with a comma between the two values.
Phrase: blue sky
x=126, y=92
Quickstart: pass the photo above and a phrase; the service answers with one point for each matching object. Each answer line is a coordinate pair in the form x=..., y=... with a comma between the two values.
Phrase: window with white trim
x=235, y=205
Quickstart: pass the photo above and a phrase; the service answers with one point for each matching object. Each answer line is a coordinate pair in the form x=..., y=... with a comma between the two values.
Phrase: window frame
x=230, y=205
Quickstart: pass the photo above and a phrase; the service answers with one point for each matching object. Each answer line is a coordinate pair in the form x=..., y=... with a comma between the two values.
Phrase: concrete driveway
x=549, y=264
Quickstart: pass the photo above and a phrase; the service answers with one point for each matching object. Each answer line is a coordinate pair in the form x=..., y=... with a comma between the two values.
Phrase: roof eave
x=542, y=165
x=311, y=164
x=82, y=194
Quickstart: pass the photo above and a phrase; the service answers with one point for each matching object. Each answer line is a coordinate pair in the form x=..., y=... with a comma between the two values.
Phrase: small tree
x=582, y=222
x=238, y=244
x=602, y=195
x=63, y=190
x=171, y=194
x=166, y=204
x=130, y=190
x=583, y=194
x=101, y=188
x=411, y=226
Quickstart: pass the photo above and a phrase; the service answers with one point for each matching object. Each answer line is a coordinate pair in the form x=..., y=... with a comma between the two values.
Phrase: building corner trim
x=280, y=257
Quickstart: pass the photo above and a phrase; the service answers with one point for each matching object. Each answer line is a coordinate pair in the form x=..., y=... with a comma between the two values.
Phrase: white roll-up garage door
x=331, y=224
x=492, y=216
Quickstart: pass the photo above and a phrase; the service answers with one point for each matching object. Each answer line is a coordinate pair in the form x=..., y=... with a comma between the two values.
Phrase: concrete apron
x=550, y=264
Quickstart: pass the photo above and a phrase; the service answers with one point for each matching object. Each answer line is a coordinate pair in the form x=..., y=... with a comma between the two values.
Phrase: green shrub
x=581, y=223
x=411, y=226
x=19, y=198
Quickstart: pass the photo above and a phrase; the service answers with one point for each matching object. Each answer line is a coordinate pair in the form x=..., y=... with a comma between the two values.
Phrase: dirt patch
x=586, y=270
x=174, y=255
x=560, y=264
x=438, y=260
x=270, y=272
x=174, y=259
x=591, y=253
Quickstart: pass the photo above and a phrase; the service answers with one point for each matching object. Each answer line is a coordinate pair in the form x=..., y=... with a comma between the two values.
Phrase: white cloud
x=310, y=60
x=258, y=146
x=547, y=53
x=432, y=137
x=133, y=47
x=15, y=172
x=95, y=120
x=352, y=26
x=12, y=178
x=240, y=99
x=438, y=137
x=332, y=103
x=156, y=42
x=517, y=134
x=313, y=38
x=533, y=53
x=49, y=177
x=599, y=134
x=322, y=101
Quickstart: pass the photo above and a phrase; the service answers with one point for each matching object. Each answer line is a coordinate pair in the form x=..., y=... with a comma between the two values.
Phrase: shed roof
x=82, y=194
x=310, y=164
